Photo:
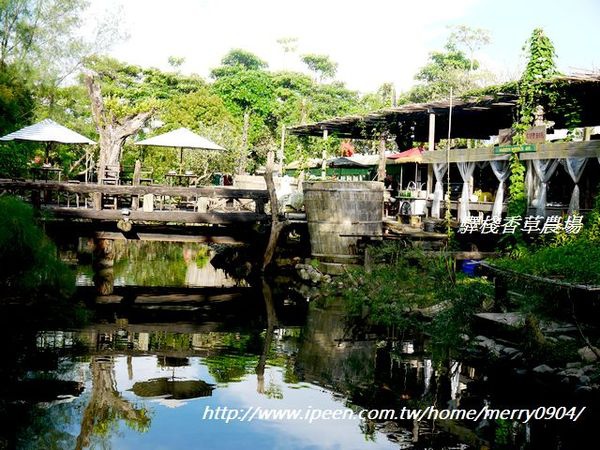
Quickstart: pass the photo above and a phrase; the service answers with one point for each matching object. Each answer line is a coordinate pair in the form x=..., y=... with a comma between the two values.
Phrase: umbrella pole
x=401, y=174
x=416, y=172
x=181, y=160
x=48, y=145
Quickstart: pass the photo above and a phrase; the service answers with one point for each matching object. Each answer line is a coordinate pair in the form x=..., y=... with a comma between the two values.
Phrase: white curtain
x=544, y=169
x=439, y=169
x=466, y=172
x=530, y=182
x=575, y=168
x=501, y=169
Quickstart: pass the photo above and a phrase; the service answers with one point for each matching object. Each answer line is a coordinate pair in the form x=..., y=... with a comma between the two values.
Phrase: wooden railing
x=218, y=204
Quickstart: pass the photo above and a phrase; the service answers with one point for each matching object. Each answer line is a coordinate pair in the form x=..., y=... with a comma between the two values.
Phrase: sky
x=373, y=41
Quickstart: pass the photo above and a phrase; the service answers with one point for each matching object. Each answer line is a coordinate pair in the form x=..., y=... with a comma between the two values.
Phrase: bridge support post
x=103, y=262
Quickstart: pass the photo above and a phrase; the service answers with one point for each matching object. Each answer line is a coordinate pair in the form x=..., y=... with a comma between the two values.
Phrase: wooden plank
x=586, y=149
x=173, y=191
x=158, y=216
x=114, y=235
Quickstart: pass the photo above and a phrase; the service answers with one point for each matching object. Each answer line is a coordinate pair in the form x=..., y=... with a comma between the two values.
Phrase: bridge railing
x=163, y=203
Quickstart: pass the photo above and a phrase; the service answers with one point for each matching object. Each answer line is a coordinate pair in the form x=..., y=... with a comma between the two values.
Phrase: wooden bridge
x=142, y=210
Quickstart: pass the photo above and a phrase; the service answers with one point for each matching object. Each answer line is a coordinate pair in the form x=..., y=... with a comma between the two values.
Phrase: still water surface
x=178, y=335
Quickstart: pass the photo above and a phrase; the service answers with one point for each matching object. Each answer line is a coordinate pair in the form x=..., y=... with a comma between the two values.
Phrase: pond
x=156, y=373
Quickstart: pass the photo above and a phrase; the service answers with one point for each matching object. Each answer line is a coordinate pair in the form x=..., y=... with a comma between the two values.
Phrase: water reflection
x=142, y=374
x=144, y=263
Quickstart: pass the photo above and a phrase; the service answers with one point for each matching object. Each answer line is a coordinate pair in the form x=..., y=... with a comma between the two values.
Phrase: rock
x=551, y=339
x=589, y=369
x=509, y=351
x=583, y=380
x=392, y=437
x=390, y=427
x=516, y=356
x=304, y=274
x=315, y=277
x=573, y=365
x=543, y=369
x=573, y=372
x=583, y=390
x=587, y=354
x=564, y=337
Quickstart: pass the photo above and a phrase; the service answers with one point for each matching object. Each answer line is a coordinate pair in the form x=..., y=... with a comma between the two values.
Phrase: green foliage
x=246, y=90
x=238, y=59
x=470, y=38
x=390, y=292
x=16, y=109
x=577, y=261
x=540, y=66
x=321, y=65
x=445, y=70
x=573, y=258
x=517, y=197
x=404, y=282
x=29, y=259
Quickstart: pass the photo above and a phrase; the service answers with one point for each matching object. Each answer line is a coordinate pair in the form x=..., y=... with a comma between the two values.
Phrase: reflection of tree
x=157, y=263
x=273, y=391
x=106, y=406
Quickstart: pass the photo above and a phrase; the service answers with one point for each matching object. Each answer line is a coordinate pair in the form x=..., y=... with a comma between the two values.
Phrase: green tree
x=204, y=112
x=321, y=65
x=236, y=60
x=247, y=91
x=471, y=38
x=445, y=70
x=384, y=97
x=16, y=110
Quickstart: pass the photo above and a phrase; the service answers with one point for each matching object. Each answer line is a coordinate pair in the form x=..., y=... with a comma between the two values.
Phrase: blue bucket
x=469, y=266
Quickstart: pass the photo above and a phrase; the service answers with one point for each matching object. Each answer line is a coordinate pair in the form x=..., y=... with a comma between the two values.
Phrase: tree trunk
x=244, y=156
x=276, y=224
x=271, y=324
x=112, y=131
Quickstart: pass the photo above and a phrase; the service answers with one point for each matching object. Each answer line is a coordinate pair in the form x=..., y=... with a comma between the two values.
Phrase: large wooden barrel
x=338, y=214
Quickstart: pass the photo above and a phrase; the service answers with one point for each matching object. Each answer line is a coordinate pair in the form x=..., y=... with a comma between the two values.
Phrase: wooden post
x=259, y=206
x=431, y=148
x=137, y=174
x=244, y=156
x=324, y=156
x=381, y=167
x=103, y=262
x=280, y=152
x=97, y=199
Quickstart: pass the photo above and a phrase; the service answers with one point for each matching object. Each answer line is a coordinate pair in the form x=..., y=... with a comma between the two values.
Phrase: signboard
x=536, y=135
x=504, y=149
x=505, y=136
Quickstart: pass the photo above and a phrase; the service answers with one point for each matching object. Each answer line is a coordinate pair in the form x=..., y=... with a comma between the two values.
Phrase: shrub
x=29, y=259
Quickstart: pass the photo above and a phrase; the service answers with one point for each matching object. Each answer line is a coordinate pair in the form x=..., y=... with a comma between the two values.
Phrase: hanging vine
x=540, y=66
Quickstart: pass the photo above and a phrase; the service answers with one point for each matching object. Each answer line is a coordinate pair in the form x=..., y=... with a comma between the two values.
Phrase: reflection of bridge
x=157, y=204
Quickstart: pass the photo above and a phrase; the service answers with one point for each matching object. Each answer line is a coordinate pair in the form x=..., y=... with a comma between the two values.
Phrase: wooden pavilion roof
x=472, y=117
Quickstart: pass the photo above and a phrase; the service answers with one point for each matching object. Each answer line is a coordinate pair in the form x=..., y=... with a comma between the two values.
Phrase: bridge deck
x=147, y=204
